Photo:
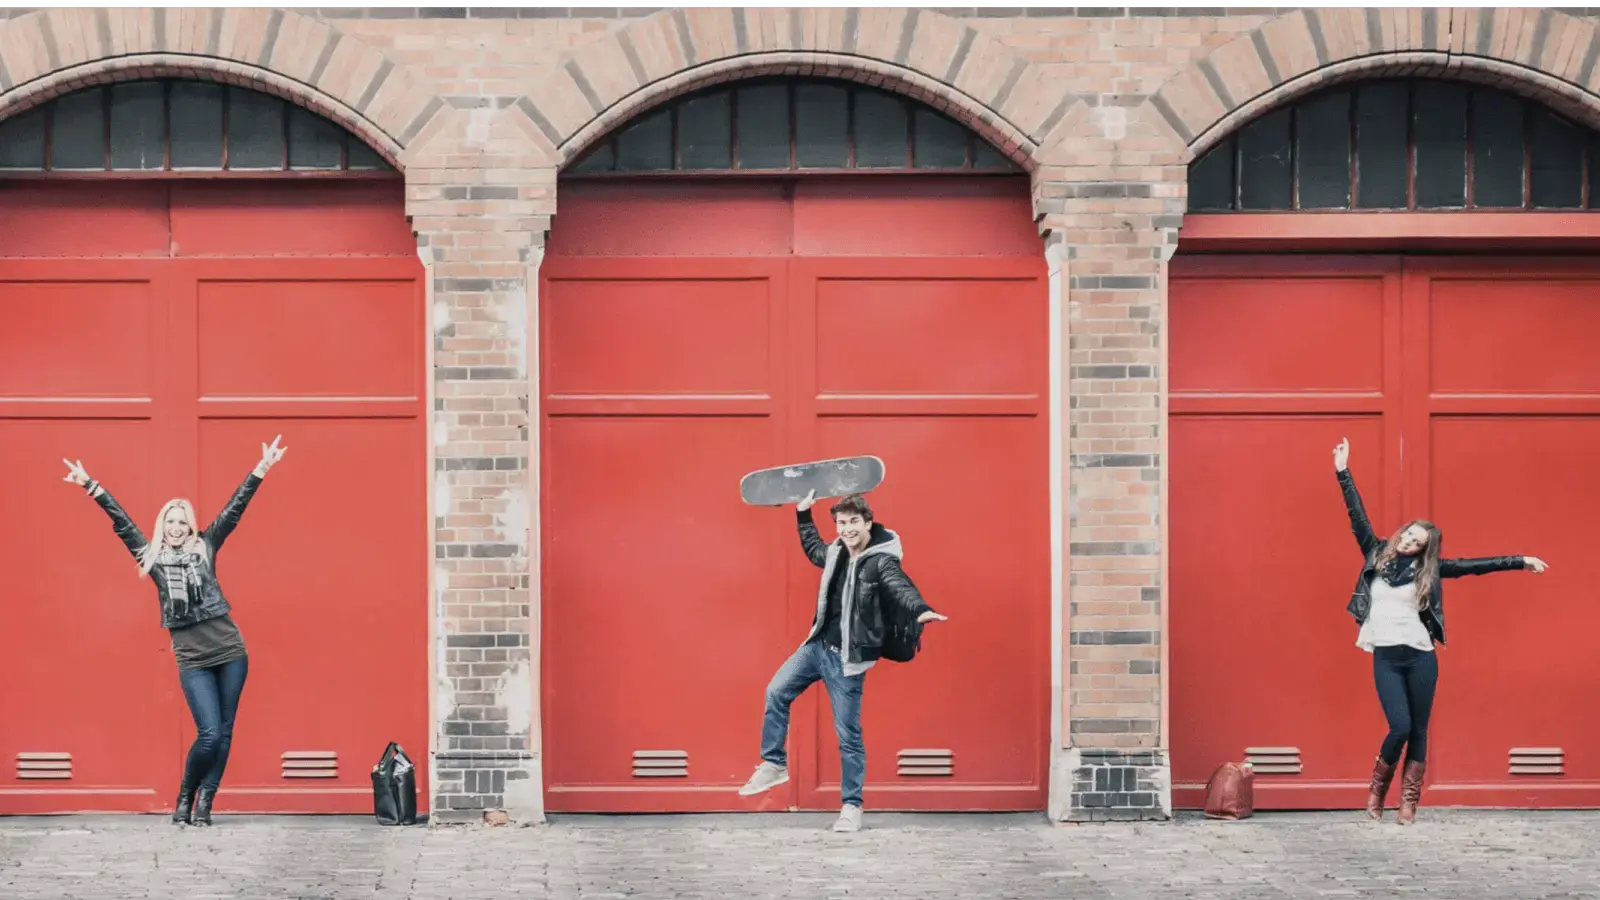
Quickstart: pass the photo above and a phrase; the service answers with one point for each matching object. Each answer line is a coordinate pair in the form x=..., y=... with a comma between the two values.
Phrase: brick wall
x=1105, y=106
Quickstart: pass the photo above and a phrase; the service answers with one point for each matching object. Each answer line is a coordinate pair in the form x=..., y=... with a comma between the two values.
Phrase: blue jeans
x=1406, y=678
x=813, y=662
x=213, y=695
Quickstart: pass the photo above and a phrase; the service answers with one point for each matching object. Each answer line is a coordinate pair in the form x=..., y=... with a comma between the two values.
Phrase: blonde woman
x=206, y=643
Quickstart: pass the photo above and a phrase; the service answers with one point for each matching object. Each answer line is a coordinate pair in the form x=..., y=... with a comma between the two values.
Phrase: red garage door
x=1470, y=396
x=161, y=332
x=694, y=332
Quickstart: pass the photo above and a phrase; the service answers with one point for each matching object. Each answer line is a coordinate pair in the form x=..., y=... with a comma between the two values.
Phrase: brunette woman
x=206, y=643
x=1399, y=603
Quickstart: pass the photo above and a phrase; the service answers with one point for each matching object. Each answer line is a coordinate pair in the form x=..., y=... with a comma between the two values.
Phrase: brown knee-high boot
x=1382, y=776
x=1410, y=791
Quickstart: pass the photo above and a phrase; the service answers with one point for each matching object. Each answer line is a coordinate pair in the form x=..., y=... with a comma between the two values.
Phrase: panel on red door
x=325, y=577
x=660, y=335
x=737, y=219
x=974, y=524
x=75, y=338
x=1284, y=334
x=1513, y=335
x=939, y=367
x=327, y=572
x=1262, y=561
x=1515, y=673
x=905, y=333
x=90, y=698
x=927, y=218
x=663, y=593
x=663, y=599
x=87, y=703
x=253, y=339
x=1272, y=362
x=99, y=218
x=325, y=219
x=1511, y=471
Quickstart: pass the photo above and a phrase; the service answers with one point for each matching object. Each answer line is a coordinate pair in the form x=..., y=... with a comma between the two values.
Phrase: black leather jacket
x=210, y=603
x=877, y=580
x=1371, y=545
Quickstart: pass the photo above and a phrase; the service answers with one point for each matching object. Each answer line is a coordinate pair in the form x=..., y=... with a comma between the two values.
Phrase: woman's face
x=1413, y=541
x=176, y=528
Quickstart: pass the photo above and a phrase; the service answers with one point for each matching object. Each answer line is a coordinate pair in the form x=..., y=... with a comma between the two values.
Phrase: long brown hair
x=1427, y=576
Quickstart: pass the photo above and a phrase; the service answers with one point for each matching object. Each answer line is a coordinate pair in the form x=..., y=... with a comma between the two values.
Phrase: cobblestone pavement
x=1449, y=854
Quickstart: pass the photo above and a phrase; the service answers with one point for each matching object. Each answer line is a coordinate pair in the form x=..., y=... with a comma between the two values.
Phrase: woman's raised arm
x=129, y=533
x=1359, y=524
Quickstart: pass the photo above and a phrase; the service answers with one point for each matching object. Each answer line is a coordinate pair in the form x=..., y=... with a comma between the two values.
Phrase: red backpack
x=1230, y=794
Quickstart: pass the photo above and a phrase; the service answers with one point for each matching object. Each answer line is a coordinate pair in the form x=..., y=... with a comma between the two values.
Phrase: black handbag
x=394, y=788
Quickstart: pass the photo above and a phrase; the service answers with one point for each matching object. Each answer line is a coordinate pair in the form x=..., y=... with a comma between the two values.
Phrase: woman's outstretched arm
x=129, y=533
x=1483, y=565
x=1359, y=524
x=233, y=510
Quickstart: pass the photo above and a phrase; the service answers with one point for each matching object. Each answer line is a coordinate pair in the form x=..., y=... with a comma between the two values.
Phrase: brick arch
x=47, y=53
x=918, y=52
x=1542, y=54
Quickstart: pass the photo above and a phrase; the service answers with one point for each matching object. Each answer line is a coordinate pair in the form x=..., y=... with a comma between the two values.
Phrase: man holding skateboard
x=862, y=588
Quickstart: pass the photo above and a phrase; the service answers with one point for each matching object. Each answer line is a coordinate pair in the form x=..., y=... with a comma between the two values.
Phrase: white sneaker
x=849, y=819
x=767, y=776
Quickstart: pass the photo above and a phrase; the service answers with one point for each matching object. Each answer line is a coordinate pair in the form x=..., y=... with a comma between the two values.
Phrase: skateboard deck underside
x=782, y=485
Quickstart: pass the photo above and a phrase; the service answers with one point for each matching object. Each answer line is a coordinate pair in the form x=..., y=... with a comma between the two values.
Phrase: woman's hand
x=1341, y=455
x=270, y=456
x=75, y=473
x=1535, y=564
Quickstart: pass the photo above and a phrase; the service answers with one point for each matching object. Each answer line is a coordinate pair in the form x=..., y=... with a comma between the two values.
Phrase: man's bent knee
x=778, y=697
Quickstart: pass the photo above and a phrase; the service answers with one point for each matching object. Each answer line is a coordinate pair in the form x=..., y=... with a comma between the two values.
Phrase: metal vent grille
x=661, y=764
x=926, y=763
x=1538, y=761
x=44, y=766
x=310, y=764
x=1274, y=760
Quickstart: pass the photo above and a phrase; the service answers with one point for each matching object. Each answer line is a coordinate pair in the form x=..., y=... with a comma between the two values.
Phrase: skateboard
x=782, y=485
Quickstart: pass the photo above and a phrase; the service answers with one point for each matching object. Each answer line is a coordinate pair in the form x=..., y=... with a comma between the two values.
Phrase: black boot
x=181, y=814
x=202, y=806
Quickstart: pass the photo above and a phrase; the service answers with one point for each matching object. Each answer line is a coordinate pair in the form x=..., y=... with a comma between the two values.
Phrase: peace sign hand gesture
x=75, y=473
x=270, y=456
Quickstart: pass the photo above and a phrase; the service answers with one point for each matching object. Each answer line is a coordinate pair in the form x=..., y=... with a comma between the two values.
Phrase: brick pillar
x=480, y=196
x=1057, y=273
x=486, y=754
x=1115, y=237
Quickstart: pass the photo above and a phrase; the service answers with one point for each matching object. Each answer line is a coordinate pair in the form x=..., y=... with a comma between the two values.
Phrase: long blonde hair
x=158, y=536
